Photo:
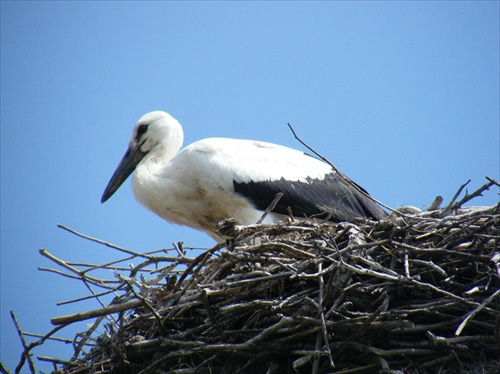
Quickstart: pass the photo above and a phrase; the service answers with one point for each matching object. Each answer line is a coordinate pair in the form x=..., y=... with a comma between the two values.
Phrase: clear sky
x=402, y=96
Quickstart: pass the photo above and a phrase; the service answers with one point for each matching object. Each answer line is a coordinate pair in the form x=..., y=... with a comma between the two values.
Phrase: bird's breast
x=186, y=200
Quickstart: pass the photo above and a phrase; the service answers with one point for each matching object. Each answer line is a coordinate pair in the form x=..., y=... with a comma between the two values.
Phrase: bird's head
x=152, y=129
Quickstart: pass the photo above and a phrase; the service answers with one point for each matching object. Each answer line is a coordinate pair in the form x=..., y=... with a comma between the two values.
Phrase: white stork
x=216, y=178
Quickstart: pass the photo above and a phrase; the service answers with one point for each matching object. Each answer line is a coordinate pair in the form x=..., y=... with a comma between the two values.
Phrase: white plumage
x=217, y=178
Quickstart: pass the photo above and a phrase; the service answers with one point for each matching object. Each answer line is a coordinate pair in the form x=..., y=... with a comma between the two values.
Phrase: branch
x=346, y=178
x=135, y=254
x=468, y=196
x=270, y=208
x=26, y=355
x=452, y=202
x=28, y=348
x=476, y=311
x=70, y=318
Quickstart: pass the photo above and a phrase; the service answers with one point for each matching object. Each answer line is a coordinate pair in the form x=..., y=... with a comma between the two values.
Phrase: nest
x=412, y=293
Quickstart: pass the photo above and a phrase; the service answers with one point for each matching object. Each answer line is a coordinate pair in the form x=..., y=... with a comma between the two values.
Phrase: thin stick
x=86, y=337
x=468, y=197
x=476, y=311
x=496, y=183
x=435, y=204
x=3, y=369
x=271, y=207
x=26, y=355
x=34, y=344
x=450, y=205
x=347, y=179
x=93, y=296
x=70, y=318
x=322, y=314
x=200, y=261
x=107, y=244
x=147, y=305
x=54, y=338
x=65, y=265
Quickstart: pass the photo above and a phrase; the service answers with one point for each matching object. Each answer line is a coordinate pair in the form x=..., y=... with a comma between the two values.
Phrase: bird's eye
x=141, y=130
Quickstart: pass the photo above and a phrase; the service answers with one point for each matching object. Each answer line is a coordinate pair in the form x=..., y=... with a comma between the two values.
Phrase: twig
x=199, y=262
x=476, y=311
x=26, y=355
x=496, y=183
x=452, y=202
x=367, y=322
x=93, y=296
x=393, y=352
x=438, y=361
x=441, y=291
x=26, y=352
x=322, y=315
x=364, y=271
x=436, y=203
x=270, y=208
x=430, y=264
x=3, y=370
x=346, y=178
x=70, y=318
x=54, y=338
x=107, y=244
x=406, y=263
x=468, y=197
x=146, y=304
x=85, y=338
x=65, y=265
x=284, y=321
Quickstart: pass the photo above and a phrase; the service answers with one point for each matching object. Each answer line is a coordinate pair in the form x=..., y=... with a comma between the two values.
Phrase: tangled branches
x=413, y=293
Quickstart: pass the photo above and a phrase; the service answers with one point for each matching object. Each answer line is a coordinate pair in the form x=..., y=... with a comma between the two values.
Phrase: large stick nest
x=413, y=294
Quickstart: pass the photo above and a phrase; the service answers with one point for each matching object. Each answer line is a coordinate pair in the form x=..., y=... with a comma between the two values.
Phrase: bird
x=215, y=179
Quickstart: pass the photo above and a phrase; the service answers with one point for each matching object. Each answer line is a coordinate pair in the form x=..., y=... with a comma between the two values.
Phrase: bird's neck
x=155, y=162
x=149, y=175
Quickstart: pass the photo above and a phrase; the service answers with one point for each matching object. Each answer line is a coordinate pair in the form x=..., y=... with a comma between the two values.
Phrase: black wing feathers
x=332, y=198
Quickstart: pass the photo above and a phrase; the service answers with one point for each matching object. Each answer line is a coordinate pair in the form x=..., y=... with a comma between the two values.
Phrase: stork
x=218, y=178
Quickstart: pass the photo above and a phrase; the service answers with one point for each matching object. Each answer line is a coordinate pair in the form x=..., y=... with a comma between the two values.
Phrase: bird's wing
x=259, y=170
x=330, y=198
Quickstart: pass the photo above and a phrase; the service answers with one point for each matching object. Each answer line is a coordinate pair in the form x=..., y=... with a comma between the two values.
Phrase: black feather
x=331, y=198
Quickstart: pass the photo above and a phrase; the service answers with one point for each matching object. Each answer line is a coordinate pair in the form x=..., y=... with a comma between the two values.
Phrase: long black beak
x=127, y=165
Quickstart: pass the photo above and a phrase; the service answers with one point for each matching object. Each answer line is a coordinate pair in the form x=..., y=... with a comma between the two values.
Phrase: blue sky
x=403, y=97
